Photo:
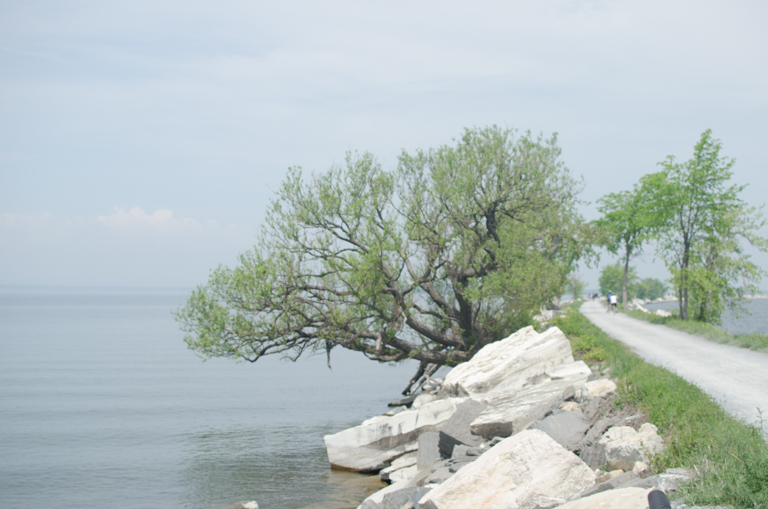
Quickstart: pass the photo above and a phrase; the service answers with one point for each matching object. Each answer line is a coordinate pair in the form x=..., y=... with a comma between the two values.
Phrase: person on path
x=614, y=301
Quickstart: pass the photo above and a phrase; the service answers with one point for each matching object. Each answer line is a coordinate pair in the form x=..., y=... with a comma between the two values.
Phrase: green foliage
x=700, y=221
x=730, y=456
x=585, y=347
x=649, y=288
x=575, y=286
x=450, y=252
x=612, y=278
x=625, y=226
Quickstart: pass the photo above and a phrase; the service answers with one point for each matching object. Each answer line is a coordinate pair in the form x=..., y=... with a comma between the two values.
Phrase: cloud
x=9, y=220
x=161, y=221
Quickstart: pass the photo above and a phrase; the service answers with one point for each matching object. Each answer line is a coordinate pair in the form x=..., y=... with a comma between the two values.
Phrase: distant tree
x=649, y=288
x=612, y=278
x=452, y=251
x=626, y=224
x=702, y=223
x=575, y=286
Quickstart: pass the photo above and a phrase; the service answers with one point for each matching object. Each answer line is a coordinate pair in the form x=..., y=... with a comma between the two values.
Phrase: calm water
x=756, y=320
x=102, y=405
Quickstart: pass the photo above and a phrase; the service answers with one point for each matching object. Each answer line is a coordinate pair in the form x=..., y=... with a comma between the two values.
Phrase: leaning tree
x=454, y=249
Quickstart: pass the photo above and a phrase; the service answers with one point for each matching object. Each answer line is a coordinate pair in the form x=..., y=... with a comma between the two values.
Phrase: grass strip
x=754, y=341
x=729, y=456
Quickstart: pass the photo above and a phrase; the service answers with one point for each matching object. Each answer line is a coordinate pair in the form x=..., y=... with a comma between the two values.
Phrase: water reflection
x=347, y=489
x=282, y=467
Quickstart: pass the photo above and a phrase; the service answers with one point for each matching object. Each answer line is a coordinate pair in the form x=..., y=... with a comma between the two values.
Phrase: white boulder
x=525, y=471
x=403, y=474
x=423, y=399
x=404, y=461
x=370, y=447
x=511, y=410
x=625, y=498
x=597, y=389
x=510, y=362
x=623, y=446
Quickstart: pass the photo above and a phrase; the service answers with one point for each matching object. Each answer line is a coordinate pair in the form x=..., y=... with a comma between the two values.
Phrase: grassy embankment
x=754, y=341
x=731, y=457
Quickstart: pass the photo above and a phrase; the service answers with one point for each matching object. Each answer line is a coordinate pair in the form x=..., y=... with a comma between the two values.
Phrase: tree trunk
x=684, y=280
x=626, y=271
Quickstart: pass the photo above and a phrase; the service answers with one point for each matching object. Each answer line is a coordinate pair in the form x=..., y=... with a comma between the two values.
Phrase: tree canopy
x=625, y=225
x=702, y=222
x=454, y=249
x=699, y=223
x=614, y=276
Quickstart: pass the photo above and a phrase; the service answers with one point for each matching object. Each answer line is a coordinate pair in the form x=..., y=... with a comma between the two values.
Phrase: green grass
x=755, y=341
x=731, y=457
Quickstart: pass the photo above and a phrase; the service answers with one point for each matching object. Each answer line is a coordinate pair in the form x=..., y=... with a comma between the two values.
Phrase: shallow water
x=102, y=405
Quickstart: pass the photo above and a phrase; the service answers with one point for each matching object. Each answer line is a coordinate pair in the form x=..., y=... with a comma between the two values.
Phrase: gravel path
x=737, y=378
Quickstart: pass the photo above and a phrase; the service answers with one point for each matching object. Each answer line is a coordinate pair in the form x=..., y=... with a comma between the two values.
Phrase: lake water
x=755, y=320
x=102, y=405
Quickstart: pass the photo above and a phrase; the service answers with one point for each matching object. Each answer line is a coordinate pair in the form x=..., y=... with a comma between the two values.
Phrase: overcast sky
x=141, y=141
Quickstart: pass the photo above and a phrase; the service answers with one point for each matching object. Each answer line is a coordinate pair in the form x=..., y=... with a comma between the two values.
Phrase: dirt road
x=737, y=378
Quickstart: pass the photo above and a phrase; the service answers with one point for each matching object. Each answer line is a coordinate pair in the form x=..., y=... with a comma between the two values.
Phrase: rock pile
x=638, y=305
x=520, y=425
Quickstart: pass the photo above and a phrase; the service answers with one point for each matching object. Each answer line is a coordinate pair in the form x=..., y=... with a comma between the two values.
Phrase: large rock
x=403, y=474
x=591, y=451
x=370, y=447
x=379, y=499
x=525, y=471
x=511, y=410
x=456, y=430
x=510, y=362
x=404, y=461
x=566, y=428
x=624, y=446
x=429, y=451
x=423, y=399
x=627, y=498
x=398, y=499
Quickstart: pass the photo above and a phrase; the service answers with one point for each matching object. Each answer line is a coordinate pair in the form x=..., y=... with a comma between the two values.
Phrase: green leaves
x=703, y=221
x=698, y=221
x=452, y=250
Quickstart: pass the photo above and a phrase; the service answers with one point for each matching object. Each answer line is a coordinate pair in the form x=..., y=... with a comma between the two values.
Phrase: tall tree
x=703, y=223
x=626, y=223
x=452, y=251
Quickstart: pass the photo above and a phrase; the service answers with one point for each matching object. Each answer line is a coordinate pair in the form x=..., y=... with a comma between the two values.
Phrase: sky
x=140, y=142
